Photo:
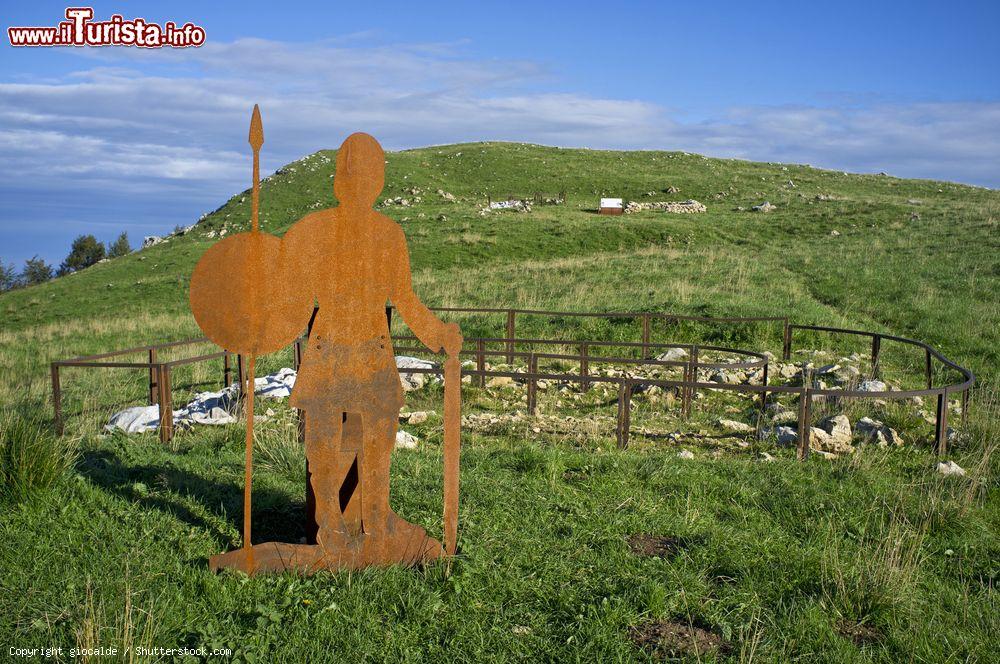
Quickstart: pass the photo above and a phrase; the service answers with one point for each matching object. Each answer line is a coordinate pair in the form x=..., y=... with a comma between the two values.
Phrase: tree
x=36, y=271
x=86, y=251
x=120, y=247
x=8, y=277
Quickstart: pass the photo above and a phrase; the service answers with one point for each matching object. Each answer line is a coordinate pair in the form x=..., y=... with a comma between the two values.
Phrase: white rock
x=838, y=427
x=950, y=468
x=786, y=435
x=672, y=355
x=874, y=431
x=736, y=427
x=405, y=441
x=788, y=370
x=782, y=415
x=685, y=454
x=823, y=441
x=150, y=241
x=418, y=417
x=871, y=385
x=413, y=381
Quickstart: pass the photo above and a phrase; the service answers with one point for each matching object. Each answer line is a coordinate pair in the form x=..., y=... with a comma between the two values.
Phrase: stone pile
x=518, y=205
x=675, y=207
x=400, y=201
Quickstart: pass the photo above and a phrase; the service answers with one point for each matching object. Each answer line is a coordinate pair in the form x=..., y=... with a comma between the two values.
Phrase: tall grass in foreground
x=277, y=448
x=103, y=624
x=979, y=441
x=32, y=458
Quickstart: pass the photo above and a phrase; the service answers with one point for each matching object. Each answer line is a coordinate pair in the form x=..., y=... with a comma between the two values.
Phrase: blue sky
x=104, y=140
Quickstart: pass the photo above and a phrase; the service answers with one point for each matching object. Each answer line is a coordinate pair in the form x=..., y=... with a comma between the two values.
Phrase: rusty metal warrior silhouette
x=348, y=261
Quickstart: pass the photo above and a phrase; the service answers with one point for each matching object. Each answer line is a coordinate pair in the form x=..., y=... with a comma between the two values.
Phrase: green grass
x=781, y=559
x=32, y=458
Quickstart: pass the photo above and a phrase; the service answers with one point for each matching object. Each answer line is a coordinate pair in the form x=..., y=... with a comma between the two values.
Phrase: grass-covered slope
x=869, y=557
x=918, y=258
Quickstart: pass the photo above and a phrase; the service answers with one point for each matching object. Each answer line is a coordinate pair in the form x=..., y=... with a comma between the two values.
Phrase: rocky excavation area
x=723, y=422
x=673, y=207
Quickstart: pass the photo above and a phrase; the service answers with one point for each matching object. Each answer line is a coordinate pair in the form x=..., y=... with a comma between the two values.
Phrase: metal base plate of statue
x=350, y=260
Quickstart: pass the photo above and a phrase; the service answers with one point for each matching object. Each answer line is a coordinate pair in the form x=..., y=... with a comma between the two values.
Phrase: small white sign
x=611, y=203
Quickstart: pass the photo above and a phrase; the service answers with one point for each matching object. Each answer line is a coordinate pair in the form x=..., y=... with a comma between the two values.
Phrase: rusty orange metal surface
x=254, y=293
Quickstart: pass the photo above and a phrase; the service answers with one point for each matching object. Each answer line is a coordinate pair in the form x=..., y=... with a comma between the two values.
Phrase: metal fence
x=478, y=349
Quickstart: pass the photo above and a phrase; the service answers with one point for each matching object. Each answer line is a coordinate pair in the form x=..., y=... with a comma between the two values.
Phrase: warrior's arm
x=432, y=332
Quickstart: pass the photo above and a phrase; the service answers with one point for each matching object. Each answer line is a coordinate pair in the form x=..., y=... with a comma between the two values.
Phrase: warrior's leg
x=392, y=538
x=328, y=466
x=379, y=439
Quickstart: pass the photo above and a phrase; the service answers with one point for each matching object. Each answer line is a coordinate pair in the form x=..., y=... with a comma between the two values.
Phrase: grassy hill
x=843, y=560
x=912, y=257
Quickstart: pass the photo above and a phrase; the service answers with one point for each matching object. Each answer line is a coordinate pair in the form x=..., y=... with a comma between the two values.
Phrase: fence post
x=166, y=405
x=481, y=361
x=227, y=370
x=805, y=404
x=57, y=400
x=693, y=378
x=510, y=336
x=941, y=424
x=763, y=395
x=532, y=383
x=685, y=391
x=388, y=319
x=239, y=378
x=876, y=350
x=645, y=336
x=584, y=367
x=786, y=351
x=927, y=369
x=624, y=412
x=965, y=407
x=152, y=377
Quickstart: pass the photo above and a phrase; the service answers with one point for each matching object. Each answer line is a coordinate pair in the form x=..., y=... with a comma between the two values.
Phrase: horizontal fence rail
x=160, y=388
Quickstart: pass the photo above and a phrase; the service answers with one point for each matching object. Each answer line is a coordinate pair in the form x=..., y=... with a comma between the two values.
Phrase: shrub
x=86, y=251
x=32, y=458
x=8, y=277
x=36, y=271
x=120, y=247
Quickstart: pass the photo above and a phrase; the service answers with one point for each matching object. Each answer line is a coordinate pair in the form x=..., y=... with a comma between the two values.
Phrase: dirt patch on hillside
x=860, y=634
x=658, y=546
x=663, y=639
